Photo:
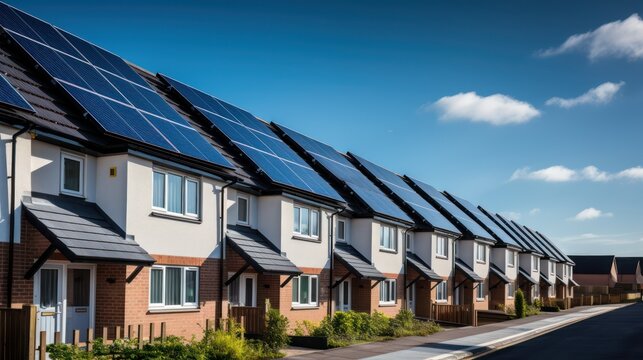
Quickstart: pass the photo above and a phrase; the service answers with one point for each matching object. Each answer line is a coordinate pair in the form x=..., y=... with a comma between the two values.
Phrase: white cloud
x=590, y=214
x=602, y=94
x=511, y=215
x=497, y=109
x=534, y=211
x=619, y=39
x=559, y=173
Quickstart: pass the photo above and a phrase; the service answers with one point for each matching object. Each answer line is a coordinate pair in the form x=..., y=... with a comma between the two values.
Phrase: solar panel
x=544, y=244
x=543, y=249
x=395, y=184
x=496, y=220
x=257, y=141
x=344, y=171
x=515, y=229
x=484, y=221
x=556, y=248
x=440, y=201
x=106, y=87
x=10, y=96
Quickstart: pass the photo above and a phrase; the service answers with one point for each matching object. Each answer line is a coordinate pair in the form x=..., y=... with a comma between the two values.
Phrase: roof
x=468, y=272
x=356, y=263
x=81, y=231
x=526, y=275
x=627, y=265
x=592, y=264
x=560, y=280
x=572, y=282
x=499, y=273
x=544, y=278
x=258, y=251
x=421, y=267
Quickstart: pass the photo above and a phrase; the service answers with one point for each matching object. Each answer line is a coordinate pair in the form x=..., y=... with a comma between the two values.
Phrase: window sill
x=175, y=217
x=387, y=304
x=306, y=238
x=384, y=250
x=304, y=307
x=443, y=257
x=440, y=301
x=172, y=310
x=480, y=262
x=71, y=194
x=479, y=300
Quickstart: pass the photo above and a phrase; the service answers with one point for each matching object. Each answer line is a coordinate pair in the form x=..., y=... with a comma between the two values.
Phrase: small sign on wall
x=112, y=171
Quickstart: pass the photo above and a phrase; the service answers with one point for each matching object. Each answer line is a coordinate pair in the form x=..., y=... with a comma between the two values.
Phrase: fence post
x=139, y=335
x=118, y=333
x=151, y=332
x=243, y=324
x=208, y=324
x=163, y=332
x=42, y=350
x=105, y=332
x=58, y=337
x=130, y=331
x=76, y=339
x=29, y=311
x=90, y=339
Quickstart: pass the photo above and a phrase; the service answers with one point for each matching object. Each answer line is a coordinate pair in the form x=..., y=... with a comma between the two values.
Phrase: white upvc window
x=481, y=253
x=243, y=290
x=305, y=290
x=480, y=292
x=341, y=230
x=175, y=194
x=551, y=292
x=306, y=221
x=441, y=292
x=409, y=242
x=72, y=174
x=243, y=210
x=552, y=268
x=442, y=247
x=511, y=258
x=511, y=289
x=535, y=263
x=388, y=239
x=388, y=292
x=174, y=287
x=565, y=270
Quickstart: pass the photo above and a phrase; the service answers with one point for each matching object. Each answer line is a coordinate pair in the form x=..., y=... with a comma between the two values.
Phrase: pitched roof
x=592, y=264
x=545, y=279
x=258, y=251
x=81, y=231
x=627, y=265
x=499, y=273
x=421, y=267
x=526, y=275
x=468, y=272
x=356, y=263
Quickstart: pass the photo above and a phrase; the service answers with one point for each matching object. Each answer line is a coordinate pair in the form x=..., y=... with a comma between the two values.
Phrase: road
x=614, y=335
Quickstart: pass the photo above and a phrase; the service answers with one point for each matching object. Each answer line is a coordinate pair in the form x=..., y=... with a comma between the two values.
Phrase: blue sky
x=454, y=93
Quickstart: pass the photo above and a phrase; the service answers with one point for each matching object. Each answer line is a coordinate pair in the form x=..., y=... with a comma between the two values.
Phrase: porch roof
x=259, y=252
x=546, y=280
x=421, y=267
x=524, y=274
x=499, y=273
x=468, y=272
x=81, y=231
x=574, y=283
x=356, y=263
x=560, y=280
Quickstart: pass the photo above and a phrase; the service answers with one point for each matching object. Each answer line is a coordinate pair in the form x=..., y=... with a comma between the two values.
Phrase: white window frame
x=511, y=259
x=343, y=237
x=312, y=213
x=409, y=241
x=551, y=291
x=184, y=304
x=391, y=285
x=441, y=292
x=311, y=303
x=535, y=263
x=184, y=191
x=442, y=247
x=482, y=260
x=243, y=290
x=81, y=181
x=247, y=200
x=392, y=230
x=552, y=268
x=511, y=289
x=480, y=291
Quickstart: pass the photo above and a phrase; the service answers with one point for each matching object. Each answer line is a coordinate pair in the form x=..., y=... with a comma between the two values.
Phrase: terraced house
x=135, y=198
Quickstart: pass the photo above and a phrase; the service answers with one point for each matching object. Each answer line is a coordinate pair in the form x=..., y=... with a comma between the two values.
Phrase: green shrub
x=276, y=335
x=532, y=310
x=537, y=303
x=520, y=304
x=550, y=308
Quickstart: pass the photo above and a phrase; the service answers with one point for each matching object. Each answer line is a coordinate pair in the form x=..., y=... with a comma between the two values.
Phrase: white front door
x=48, y=296
x=410, y=298
x=343, y=300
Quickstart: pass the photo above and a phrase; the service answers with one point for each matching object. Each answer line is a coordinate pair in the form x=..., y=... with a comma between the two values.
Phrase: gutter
x=223, y=244
x=331, y=244
x=12, y=213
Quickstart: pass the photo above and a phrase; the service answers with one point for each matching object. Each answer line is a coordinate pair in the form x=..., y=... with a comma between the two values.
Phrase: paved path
x=614, y=335
x=461, y=342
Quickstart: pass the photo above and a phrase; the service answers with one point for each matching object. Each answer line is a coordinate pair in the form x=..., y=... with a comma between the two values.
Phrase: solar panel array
x=544, y=244
x=398, y=186
x=543, y=249
x=342, y=169
x=487, y=223
x=448, y=206
x=551, y=243
x=10, y=96
x=257, y=141
x=106, y=87
x=515, y=229
x=496, y=220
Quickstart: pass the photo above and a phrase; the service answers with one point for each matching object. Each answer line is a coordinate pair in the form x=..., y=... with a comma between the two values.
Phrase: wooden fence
x=252, y=319
x=456, y=314
x=17, y=335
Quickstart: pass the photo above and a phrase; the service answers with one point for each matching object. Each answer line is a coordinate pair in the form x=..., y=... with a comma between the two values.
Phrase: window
x=242, y=291
x=409, y=242
x=565, y=270
x=536, y=289
x=535, y=263
x=242, y=210
x=441, y=292
x=511, y=259
x=387, y=238
x=552, y=267
x=481, y=253
x=480, y=291
x=442, y=247
x=304, y=290
x=174, y=287
x=71, y=174
x=175, y=194
x=387, y=291
x=511, y=290
x=551, y=291
x=341, y=230
x=306, y=221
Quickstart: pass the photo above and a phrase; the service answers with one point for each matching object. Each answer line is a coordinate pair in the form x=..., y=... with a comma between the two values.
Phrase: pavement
x=465, y=342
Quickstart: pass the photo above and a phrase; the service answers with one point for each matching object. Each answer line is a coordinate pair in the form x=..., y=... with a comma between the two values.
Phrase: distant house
x=595, y=273
x=630, y=273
